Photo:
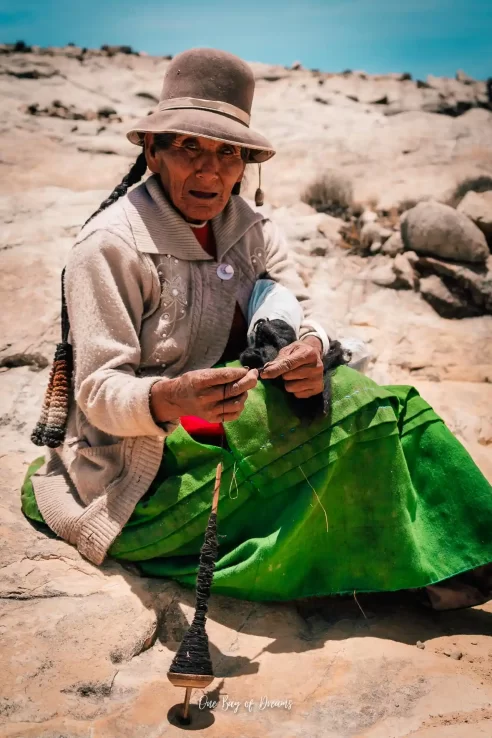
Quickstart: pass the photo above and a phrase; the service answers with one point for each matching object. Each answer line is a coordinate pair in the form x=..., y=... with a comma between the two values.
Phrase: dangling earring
x=259, y=194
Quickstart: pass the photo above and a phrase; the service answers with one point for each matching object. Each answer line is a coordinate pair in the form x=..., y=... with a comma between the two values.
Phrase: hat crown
x=210, y=74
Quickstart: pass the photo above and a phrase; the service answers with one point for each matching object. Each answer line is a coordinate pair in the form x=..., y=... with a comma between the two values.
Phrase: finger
x=242, y=385
x=279, y=366
x=228, y=405
x=221, y=376
x=232, y=389
x=228, y=417
x=305, y=371
x=218, y=416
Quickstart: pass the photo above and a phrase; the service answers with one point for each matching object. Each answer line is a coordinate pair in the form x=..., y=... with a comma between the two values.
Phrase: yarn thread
x=317, y=497
x=51, y=426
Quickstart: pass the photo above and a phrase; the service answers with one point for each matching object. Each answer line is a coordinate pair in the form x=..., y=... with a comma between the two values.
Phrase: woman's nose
x=207, y=165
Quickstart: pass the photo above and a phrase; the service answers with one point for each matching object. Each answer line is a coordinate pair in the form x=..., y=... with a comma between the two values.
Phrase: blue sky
x=417, y=36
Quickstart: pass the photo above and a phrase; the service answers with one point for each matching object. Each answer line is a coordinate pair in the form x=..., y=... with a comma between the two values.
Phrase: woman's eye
x=228, y=151
x=191, y=145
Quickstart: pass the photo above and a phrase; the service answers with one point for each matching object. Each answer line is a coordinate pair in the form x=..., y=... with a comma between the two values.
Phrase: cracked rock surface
x=84, y=651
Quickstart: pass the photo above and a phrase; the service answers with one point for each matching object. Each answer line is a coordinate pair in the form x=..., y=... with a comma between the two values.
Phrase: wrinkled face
x=198, y=174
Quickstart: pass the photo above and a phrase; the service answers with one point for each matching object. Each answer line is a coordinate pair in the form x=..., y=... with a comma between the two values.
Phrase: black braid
x=134, y=175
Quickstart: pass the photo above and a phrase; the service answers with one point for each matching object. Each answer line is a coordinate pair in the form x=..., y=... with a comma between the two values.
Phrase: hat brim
x=219, y=127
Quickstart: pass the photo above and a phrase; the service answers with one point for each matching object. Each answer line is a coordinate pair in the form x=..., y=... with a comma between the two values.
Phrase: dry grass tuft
x=332, y=193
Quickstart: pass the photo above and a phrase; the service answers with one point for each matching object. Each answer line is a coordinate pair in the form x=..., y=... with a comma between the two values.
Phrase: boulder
x=439, y=230
x=478, y=207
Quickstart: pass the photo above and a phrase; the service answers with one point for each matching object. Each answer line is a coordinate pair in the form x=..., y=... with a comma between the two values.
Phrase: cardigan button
x=225, y=271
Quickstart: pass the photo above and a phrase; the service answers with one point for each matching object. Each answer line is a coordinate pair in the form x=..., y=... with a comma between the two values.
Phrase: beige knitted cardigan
x=145, y=303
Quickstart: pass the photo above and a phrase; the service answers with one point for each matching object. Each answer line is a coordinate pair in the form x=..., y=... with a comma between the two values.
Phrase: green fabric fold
x=378, y=497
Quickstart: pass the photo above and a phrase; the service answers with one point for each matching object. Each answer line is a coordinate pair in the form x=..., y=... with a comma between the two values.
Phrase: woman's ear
x=150, y=153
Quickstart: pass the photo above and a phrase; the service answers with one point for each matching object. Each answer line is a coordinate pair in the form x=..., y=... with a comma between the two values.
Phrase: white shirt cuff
x=320, y=333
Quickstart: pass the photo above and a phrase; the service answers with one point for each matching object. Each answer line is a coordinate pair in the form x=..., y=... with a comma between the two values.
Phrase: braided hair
x=135, y=174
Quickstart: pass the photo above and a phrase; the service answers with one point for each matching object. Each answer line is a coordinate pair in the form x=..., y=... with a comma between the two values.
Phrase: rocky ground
x=404, y=264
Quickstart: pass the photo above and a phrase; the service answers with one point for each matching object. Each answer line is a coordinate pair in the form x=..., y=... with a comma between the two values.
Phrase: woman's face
x=198, y=174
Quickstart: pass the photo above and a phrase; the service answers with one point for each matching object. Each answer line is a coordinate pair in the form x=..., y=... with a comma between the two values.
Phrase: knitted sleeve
x=281, y=268
x=106, y=284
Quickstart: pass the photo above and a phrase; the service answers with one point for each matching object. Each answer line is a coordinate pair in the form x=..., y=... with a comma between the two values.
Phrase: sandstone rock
x=465, y=78
x=404, y=273
x=474, y=284
x=382, y=275
x=394, y=245
x=112, y=50
x=439, y=230
x=298, y=227
x=361, y=355
x=57, y=109
x=453, y=654
x=447, y=304
x=372, y=233
x=478, y=207
x=302, y=208
x=368, y=216
x=331, y=228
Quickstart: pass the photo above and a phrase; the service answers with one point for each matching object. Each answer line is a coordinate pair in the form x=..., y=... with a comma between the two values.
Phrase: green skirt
x=378, y=497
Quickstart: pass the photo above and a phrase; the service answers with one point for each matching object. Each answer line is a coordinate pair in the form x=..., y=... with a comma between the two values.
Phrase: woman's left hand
x=300, y=366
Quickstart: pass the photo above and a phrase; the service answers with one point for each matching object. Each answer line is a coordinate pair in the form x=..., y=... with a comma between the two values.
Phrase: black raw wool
x=264, y=344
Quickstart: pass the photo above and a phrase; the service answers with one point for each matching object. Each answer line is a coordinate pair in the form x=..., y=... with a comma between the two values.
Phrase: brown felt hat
x=207, y=92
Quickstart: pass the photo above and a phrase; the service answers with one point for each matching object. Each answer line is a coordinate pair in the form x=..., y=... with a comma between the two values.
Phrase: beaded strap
x=51, y=426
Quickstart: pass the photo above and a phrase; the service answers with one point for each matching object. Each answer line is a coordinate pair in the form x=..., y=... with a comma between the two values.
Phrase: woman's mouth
x=201, y=195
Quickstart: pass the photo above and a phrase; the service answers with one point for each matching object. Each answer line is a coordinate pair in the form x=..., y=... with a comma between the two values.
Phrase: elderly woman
x=376, y=496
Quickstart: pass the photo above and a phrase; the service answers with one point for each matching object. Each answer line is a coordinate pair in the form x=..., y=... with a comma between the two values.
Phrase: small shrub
x=22, y=47
x=357, y=209
x=331, y=193
x=482, y=183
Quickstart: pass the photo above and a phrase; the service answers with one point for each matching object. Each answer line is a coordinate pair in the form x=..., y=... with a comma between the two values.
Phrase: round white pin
x=225, y=271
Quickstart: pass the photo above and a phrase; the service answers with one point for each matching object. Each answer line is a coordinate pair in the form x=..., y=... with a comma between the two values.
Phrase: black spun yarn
x=193, y=656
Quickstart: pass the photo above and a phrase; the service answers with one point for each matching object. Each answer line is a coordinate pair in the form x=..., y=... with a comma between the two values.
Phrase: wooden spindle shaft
x=186, y=705
x=218, y=477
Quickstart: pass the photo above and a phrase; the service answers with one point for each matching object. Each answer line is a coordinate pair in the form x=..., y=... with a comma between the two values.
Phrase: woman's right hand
x=215, y=395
